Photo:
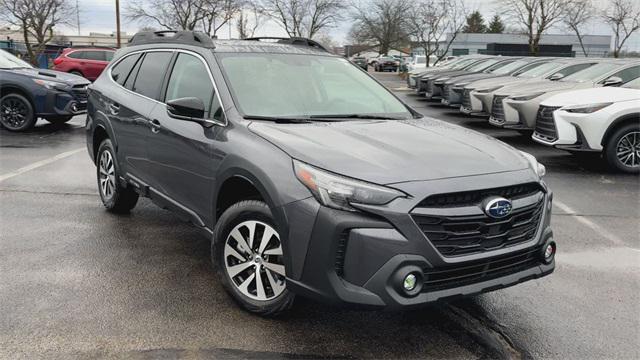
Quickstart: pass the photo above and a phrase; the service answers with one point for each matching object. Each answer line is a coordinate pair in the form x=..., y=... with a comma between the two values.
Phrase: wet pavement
x=78, y=282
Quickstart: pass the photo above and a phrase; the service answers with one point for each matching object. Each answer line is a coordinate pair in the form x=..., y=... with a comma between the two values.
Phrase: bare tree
x=218, y=13
x=624, y=18
x=168, y=14
x=534, y=17
x=429, y=22
x=578, y=14
x=381, y=23
x=36, y=19
x=304, y=18
x=249, y=20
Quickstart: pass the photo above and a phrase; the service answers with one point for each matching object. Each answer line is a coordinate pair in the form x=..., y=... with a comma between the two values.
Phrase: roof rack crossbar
x=195, y=38
x=291, y=41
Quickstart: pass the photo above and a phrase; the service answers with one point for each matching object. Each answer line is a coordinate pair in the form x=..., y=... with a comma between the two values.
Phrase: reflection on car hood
x=592, y=96
x=493, y=82
x=52, y=75
x=470, y=77
x=386, y=152
x=535, y=86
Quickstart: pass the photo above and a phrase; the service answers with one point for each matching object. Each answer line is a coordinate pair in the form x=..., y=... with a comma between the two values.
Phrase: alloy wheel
x=107, y=175
x=628, y=149
x=14, y=113
x=253, y=260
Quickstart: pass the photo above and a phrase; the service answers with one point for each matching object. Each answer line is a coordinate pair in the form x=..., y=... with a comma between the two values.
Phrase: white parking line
x=40, y=163
x=590, y=224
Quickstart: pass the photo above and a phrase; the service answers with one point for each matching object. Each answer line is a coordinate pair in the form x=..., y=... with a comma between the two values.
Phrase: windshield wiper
x=355, y=116
x=278, y=119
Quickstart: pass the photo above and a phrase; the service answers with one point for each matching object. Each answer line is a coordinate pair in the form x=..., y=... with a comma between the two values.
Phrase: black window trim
x=206, y=65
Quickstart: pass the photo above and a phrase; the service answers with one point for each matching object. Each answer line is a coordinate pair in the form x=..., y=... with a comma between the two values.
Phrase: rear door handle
x=155, y=126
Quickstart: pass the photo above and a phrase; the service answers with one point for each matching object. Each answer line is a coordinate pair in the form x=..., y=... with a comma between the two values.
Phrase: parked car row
x=579, y=105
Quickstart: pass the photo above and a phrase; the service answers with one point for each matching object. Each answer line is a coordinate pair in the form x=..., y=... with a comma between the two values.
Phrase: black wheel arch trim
x=620, y=121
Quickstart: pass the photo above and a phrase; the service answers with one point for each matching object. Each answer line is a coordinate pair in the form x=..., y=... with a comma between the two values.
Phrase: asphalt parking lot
x=78, y=282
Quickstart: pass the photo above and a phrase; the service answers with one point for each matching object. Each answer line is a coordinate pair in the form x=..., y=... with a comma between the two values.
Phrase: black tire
x=626, y=137
x=16, y=113
x=248, y=210
x=120, y=199
x=59, y=119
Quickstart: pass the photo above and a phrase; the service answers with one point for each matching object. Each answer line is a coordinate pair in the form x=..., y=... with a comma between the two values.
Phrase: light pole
x=118, y=23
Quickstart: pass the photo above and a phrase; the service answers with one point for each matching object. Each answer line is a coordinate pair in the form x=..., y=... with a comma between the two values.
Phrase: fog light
x=549, y=252
x=74, y=107
x=409, y=282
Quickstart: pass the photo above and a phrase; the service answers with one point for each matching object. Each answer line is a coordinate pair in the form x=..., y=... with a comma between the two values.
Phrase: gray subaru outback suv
x=311, y=178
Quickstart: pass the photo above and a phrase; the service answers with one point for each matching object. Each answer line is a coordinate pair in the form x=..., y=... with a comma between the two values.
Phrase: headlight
x=50, y=84
x=488, y=90
x=535, y=165
x=586, y=109
x=339, y=192
x=525, y=97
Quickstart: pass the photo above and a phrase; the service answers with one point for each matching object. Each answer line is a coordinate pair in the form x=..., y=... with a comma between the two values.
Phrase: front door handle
x=114, y=108
x=155, y=126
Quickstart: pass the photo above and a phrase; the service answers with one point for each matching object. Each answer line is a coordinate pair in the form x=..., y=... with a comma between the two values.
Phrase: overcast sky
x=99, y=16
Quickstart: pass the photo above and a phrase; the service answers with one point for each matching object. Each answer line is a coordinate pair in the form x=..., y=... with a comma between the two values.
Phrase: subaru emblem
x=497, y=207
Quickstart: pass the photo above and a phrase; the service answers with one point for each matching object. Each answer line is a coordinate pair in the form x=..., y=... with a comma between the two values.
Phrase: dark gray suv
x=311, y=178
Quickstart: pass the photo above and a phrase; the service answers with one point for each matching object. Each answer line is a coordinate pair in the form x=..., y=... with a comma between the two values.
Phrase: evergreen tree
x=496, y=26
x=475, y=23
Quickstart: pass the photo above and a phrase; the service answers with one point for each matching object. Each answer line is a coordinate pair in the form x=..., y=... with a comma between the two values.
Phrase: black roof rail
x=92, y=47
x=291, y=41
x=195, y=38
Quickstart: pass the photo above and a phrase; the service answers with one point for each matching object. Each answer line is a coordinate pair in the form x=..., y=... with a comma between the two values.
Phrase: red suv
x=87, y=62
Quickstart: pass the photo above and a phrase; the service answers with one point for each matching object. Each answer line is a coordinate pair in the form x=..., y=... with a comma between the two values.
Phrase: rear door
x=95, y=62
x=181, y=152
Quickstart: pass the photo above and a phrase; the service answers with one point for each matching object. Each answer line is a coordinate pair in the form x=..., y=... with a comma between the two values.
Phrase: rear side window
x=190, y=78
x=94, y=55
x=108, y=55
x=122, y=69
x=151, y=74
x=76, y=55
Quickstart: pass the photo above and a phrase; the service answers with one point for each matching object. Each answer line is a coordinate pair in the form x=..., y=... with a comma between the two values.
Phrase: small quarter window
x=122, y=69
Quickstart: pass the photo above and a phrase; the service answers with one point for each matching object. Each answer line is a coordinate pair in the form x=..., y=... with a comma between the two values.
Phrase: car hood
x=535, y=86
x=386, y=152
x=592, y=96
x=52, y=75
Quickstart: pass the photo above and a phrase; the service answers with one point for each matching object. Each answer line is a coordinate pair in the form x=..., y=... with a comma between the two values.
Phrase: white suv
x=603, y=120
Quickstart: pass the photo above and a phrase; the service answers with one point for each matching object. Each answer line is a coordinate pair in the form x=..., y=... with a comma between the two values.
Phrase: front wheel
x=16, y=113
x=622, y=150
x=115, y=197
x=247, y=255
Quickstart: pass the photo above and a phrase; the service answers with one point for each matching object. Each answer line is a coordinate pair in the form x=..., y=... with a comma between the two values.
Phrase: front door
x=181, y=152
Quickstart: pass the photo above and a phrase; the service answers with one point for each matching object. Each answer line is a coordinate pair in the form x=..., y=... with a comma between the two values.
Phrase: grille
x=80, y=93
x=446, y=91
x=475, y=197
x=473, y=272
x=430, y=86
x=341, y=252
x=497, y=110
x=463, y=235
x=466, y=99
x=545, y=125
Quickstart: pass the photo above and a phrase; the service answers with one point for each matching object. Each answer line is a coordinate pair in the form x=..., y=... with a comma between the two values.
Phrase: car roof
x=274, y=47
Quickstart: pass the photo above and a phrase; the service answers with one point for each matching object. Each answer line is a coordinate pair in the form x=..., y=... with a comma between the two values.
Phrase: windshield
x=509, y=67
x=9, y=61
x=481, y=65
x=541, y=70
x=286, y=85
x=455, y=65
x=492, y=69
x=591, y=73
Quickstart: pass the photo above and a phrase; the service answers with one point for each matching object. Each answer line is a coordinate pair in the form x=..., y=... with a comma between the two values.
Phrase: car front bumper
x=361, y=258
x=53, y=103
x=574, y=131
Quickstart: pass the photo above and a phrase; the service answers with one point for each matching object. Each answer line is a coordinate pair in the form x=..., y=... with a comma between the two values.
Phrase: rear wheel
x=16, y=113
x=247, y=254
x=622, y=150
x=115, y=197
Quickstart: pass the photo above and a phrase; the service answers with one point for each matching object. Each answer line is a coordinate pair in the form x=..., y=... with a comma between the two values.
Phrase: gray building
x=465, y=44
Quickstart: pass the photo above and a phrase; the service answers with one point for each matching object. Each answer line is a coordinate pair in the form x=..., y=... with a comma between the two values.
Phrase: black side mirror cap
x=188, y=108
x=612, y=81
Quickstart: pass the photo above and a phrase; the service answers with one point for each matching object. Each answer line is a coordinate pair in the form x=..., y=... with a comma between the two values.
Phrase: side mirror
x=612, y=81
x=188, y=108
x=556, y=77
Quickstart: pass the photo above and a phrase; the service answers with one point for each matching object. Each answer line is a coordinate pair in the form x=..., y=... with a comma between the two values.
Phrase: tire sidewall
x=106, y=145
x=612, y=144
x=31, y=118
x=236, y=214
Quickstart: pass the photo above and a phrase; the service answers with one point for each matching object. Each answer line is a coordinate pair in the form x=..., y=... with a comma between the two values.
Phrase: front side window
x=151, y=74
x=633, y=84
x=190, y=78
x=77, y=55
x=591, y=73
x=305, y=85
x=94, y=55
x=628, y=74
